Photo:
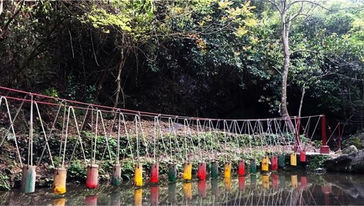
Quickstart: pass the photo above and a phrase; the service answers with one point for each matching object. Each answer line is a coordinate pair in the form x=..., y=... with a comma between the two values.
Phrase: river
x=282, y=188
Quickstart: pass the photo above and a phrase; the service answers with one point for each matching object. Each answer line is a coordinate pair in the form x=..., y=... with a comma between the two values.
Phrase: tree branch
x=274, y=3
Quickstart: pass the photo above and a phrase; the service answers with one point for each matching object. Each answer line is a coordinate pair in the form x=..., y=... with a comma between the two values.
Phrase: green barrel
x=281, y=161
x=172, y=173
x=214, y=170
x=116, y=176
x=28, y=179
x=253, y=166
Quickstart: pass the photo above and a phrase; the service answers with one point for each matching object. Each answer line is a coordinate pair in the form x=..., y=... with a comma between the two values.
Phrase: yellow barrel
x=227, y=170
x=138, y=175
x=138, y=197
x=187, y=190
x=294, y=181
x=187, y=171
x=59, y=184
x=59, y=202
x=265, y=181
x=293, y=159
x=265, y=164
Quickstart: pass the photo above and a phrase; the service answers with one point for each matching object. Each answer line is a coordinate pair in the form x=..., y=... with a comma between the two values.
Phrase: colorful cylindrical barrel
x=187, y=190
x=138, y=197
x=253, y=166
x=187, y=171
x=282, y=161
x=28, y=179
x=265, y=164
x=138, y=175
x=172, y=173
x=154, y=195
x=91, y=200
x=201, y=187
x=227, y=170
x=201, y=171
x=242, y=183
x=293, y=159
x=214, y=170
x=274, y=163
x=302, y=156
x=294, y=181
x=59, y=183
x=265, y=181
x=116, y=175
x=241, y=168
x=154, y=173
x=92, y=180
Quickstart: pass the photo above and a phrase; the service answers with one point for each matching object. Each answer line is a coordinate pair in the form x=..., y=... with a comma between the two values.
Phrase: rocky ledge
x=351, y=160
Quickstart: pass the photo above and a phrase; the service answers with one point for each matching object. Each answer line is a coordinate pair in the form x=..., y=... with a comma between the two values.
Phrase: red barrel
x=303, y=156
x=241, y=169
x=92, y=180
x=201, y=187
x=274, y=161
x=242, y=183
x=201, y=171
x=154, y=173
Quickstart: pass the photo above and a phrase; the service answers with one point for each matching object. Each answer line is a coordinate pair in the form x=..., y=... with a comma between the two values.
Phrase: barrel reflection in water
x=59, y=202
x=91, y=200
x=227, y=183
x=154, y=195
x=265, y=181
x=294, y=181
x=187, y=190
x=138, y=197
x=201, y=187
x=241, y=183
x=253, y=180
x=115, y=198
x=172, y=193
x=214, y=187
x=275, y=181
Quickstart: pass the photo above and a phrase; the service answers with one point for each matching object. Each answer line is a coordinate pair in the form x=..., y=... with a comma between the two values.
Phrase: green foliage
x=317, y=161
x=4, y=182
x=77, y=171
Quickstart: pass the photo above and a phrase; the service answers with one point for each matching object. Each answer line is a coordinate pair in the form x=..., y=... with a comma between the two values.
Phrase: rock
x=353, y=162
x=350, y=150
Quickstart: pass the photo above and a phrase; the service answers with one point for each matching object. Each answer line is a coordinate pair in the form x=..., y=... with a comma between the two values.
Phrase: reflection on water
x=252, y=189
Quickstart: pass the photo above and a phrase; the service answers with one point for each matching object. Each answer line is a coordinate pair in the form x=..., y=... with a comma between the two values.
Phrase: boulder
x=353, y=162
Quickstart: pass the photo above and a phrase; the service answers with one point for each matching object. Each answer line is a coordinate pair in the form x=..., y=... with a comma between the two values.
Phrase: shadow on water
x=252, y=189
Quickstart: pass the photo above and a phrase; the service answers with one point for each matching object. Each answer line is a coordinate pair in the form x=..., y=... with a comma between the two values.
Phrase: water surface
x=259, y=189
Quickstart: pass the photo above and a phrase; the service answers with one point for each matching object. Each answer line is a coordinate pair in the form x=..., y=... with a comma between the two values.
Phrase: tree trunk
x=119, y=89
x=285, y=42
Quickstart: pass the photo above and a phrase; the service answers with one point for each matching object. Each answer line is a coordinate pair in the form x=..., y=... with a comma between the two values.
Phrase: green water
x=257, y=189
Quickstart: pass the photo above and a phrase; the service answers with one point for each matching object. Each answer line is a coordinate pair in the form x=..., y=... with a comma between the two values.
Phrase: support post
x=297, y=145
x=324, y=148
x=339, y=131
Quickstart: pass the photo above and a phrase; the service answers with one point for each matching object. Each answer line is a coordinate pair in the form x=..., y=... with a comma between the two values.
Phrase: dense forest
x=211, y=58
